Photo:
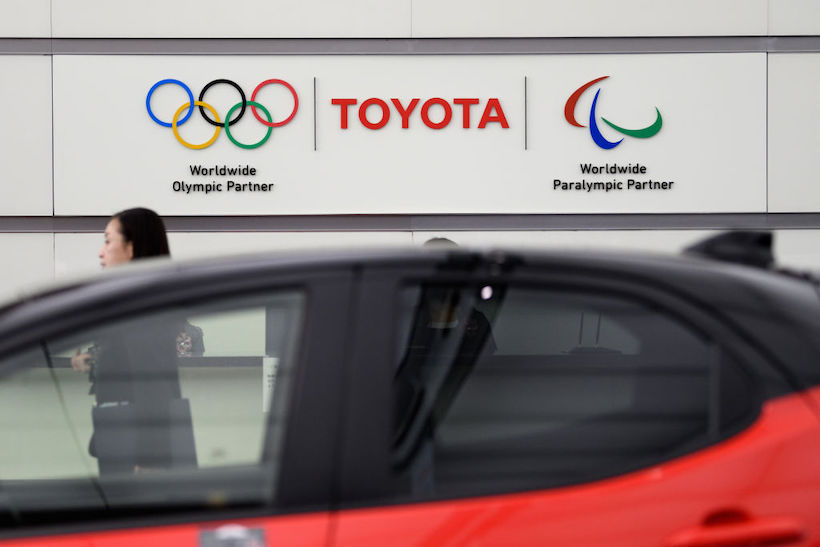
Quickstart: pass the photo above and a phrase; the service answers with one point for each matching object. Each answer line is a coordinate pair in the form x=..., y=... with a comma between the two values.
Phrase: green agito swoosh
x=644, y=133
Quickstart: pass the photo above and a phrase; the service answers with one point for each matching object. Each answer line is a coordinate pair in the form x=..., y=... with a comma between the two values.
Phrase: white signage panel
x=411, y=134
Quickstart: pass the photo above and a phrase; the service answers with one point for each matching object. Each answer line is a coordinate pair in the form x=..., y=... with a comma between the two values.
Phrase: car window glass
x=502, y=388
x=36, y=414
x=181, y=406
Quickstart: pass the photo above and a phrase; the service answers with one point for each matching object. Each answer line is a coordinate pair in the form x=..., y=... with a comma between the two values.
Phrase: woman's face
x=115, y=250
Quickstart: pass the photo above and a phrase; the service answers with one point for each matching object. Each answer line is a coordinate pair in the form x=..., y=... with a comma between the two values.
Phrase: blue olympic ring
x=183, y=86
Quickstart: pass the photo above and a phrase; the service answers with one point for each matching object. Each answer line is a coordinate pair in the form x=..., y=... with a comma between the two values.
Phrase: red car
x=444, y=397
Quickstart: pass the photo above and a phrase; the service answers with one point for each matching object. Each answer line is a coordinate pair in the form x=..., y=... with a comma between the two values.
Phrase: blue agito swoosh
x=595, y=132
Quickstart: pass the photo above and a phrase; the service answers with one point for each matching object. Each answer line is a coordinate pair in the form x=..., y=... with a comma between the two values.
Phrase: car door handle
x=735, y=528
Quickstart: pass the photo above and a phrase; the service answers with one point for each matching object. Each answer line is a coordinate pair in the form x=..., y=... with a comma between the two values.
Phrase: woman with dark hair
x=133, y=367
x=129, y=235
x=132, y=234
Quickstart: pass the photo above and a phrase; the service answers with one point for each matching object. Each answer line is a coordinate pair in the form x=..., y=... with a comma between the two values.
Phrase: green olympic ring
x=248, y=146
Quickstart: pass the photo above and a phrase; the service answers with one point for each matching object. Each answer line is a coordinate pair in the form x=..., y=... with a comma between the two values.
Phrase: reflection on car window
x=500, y=388
x=447, y=337
x=184, y=427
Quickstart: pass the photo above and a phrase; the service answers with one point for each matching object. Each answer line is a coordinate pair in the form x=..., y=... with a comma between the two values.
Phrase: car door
x=208, y=415
x=501, y=403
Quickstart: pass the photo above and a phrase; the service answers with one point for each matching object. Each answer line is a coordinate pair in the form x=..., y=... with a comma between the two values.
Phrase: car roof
x=140, y=274
x=743, y=293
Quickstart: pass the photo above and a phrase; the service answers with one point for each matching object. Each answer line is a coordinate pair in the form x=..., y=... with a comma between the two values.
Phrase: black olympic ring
x=235, y=86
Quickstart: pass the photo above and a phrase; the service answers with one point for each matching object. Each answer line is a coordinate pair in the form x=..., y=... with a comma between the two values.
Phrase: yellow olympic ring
x=185, y=143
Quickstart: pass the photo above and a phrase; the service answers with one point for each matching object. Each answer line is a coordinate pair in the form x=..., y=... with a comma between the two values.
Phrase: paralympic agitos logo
x=214, y=119
x=594, y=131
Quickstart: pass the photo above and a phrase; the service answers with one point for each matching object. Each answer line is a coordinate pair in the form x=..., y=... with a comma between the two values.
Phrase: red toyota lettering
x=343, y=104
x=363, y=113
x=492, y=113
x=498, y=117
x=405, y=112
x=425, y=113
x=465, y=109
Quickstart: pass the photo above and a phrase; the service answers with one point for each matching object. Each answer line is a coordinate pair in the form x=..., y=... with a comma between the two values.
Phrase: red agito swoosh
x=569, y=108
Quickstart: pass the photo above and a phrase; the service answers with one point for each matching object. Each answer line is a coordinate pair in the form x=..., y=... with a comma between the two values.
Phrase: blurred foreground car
x=446, y=397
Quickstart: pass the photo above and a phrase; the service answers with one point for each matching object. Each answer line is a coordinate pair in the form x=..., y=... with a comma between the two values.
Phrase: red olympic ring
x=295, y=102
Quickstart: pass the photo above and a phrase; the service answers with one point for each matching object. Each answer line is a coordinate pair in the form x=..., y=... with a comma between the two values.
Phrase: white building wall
x=794, y=141
x=36, y=35
x=25, y=18
x=588, y=18
x=28, y=261
x=406, y=18
x=25, y=135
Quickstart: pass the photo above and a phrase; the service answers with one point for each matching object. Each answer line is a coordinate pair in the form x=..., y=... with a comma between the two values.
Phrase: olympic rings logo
x=216, y=121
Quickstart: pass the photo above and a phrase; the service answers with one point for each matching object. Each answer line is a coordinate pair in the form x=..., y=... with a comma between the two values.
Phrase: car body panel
x=758, y=473
x=308, y=530
x=768, y=471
